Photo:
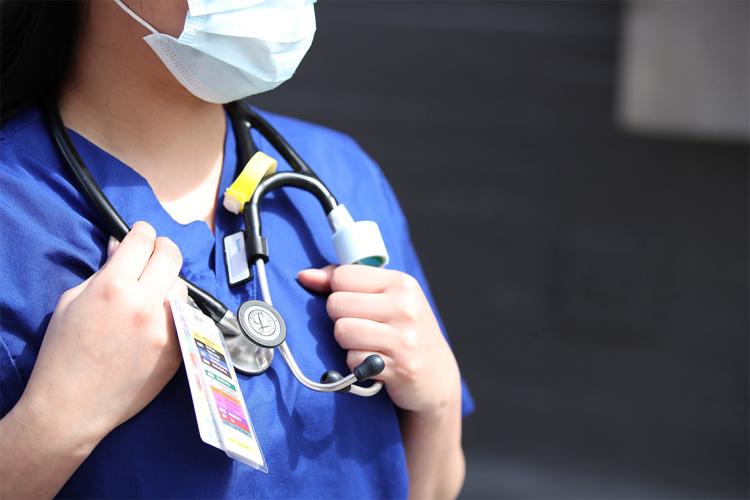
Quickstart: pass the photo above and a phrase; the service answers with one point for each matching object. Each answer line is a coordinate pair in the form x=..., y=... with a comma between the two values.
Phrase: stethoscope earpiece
x=372, y=365
x=332, y=376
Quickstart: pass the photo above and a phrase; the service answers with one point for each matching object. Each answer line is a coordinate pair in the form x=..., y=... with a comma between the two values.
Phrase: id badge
x=220, y=410
x=235, y=259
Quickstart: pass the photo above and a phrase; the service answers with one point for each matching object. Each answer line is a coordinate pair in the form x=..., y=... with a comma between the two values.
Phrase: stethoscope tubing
x=113, y=222
x=247, y=116
x=116, y=225
x=303, y=177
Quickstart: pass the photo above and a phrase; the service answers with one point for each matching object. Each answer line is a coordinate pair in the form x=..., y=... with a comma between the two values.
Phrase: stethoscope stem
x=346, y=382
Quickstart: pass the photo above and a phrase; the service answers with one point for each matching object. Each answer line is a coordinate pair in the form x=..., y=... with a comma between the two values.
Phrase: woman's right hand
x=110, y=346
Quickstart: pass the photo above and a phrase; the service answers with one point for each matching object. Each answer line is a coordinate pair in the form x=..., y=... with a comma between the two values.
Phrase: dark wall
x=594, y=283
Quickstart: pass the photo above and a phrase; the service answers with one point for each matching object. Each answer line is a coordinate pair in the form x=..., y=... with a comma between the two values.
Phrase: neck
x=122, y=98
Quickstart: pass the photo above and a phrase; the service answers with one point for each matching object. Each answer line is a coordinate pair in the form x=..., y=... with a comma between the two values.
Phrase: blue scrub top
x=316, y=445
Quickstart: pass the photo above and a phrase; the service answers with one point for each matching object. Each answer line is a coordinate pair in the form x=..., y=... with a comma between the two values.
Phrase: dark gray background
x=594, y=282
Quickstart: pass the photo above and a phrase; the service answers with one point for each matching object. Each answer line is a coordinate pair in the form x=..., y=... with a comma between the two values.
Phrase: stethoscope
x=258, y=328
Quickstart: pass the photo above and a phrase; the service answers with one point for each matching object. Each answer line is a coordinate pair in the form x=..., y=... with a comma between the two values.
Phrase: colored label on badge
x=230, y=411
x=212, y=357
x=220, y=380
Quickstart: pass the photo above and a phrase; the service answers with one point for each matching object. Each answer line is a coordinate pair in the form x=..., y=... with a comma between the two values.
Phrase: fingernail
x=112, y=245
x=300, y=273
x=312, y=273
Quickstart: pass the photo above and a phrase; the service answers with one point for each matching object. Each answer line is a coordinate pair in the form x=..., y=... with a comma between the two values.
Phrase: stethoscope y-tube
x=248, y=356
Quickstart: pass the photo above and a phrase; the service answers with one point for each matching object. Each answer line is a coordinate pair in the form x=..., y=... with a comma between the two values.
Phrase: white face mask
x=230, y=49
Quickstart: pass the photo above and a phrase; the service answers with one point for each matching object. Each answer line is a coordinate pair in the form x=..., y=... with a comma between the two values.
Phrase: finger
x=317, y=280
x=365, y=335
x=179, y=290
x=374, y=306
x=355, y=358
x=162, y=269
x=132, y=254
x=359, y=278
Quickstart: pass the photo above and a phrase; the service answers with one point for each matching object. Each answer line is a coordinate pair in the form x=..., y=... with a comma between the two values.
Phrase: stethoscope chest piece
x=261, y=323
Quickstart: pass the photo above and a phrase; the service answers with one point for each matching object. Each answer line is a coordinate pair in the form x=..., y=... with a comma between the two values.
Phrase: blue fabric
x=316, y=445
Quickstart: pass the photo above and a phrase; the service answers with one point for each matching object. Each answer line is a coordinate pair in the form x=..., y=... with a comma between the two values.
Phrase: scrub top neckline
x=134, y=198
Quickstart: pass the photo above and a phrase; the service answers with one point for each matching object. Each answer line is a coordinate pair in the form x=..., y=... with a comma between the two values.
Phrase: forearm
x=433, y=452
x=38, y=453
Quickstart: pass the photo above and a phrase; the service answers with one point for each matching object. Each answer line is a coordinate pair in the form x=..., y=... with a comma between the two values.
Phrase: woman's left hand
x=386, y=312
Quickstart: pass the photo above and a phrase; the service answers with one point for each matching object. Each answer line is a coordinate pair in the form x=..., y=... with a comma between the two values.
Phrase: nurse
x=91, y=399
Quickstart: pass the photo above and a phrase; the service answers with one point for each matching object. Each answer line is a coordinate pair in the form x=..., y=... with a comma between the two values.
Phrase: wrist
x=63, y=432
x=445, y=408
x=447, y=398
x=37, y=456
x=438, y=415
x=432, y=438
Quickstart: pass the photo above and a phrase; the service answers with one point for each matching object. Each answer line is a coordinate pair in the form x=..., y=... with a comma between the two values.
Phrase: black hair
x=37, y=44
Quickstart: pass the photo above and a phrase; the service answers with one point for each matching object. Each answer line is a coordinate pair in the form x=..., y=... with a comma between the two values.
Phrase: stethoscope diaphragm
x=261, y=323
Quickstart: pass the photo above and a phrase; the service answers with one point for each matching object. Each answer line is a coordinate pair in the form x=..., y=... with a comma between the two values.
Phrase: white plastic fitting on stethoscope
x=356, y=242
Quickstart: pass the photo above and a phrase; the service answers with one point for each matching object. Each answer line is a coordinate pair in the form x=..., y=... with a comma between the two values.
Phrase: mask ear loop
x=135, y=16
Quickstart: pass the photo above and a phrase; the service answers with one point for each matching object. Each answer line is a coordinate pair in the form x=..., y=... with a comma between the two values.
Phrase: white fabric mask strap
x=135, y=16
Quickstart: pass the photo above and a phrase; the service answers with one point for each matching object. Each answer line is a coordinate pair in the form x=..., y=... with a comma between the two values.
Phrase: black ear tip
x=372, y=365
x=330, y=377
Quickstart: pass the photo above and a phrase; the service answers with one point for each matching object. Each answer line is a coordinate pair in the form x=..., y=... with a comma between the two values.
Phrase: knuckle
x=337, y=277
x=332, y=304
x=407, y=282
x=142, y=238
x=409, y=311
x=410, y=369
x=158, y=341
x=115, y=289
x=409, y=340
x=340, y=329
x=141, y=315
x=143, y=228
x=168, y=248
x=415, y=367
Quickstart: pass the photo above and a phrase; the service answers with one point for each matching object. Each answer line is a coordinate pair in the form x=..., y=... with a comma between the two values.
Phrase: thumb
x=72, y=293
x=317, y=280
